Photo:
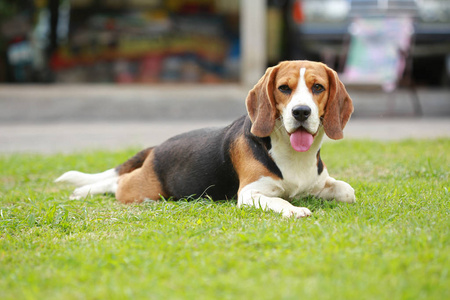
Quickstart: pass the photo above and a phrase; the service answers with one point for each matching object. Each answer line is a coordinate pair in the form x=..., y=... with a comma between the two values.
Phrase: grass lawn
x=394, y=243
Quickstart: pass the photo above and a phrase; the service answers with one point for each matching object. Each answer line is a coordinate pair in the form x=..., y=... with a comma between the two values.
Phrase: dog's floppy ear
x=338, y=109
x=261, y=106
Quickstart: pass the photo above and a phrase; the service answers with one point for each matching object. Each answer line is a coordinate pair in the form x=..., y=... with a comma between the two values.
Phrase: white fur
x=79, y=179
x=100, y=187
x=301, y=96
x=338, y=190
x=265, y=193
x=300, y=179
x=299, y=169
x=90, y=184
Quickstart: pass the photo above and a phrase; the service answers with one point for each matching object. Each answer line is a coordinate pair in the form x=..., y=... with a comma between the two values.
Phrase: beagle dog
x=264, y=158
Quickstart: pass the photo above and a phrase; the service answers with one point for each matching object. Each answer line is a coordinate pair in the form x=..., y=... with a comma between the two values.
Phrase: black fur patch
x=133, y=163
x=260, y=149
x=198, y=163
x=319, y=163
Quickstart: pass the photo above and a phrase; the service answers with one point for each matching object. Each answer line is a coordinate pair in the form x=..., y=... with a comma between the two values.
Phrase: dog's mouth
x=301, y=139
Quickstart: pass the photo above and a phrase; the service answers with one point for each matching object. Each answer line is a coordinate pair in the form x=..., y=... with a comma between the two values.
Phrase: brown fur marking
x=265, y=101
x=247, y=167
x=134, y=163
x=142, y=183
x=261, y=106
x=339, y=107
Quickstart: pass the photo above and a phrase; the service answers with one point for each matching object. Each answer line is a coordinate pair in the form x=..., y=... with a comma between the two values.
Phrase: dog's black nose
x=301, y=112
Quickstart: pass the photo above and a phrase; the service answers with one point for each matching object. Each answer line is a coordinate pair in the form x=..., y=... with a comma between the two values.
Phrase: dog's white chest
x=299, y=169
x=300, y=176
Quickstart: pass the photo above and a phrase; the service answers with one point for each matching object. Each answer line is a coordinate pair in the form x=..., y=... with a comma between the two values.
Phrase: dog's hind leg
x=101, y=187
x=104, y=182
x=80, y=179
x=91, y=184
x=141, y=184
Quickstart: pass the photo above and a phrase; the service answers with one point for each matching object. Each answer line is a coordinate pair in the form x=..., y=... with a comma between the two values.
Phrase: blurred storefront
x=323, y=32
x=121, y=41
x=201, y=41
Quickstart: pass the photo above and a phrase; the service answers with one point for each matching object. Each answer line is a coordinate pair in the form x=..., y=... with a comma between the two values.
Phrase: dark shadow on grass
x=314, y=204
x=191, y=200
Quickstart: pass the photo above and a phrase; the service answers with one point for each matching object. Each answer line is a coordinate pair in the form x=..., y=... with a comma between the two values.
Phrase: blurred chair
x=381, y=36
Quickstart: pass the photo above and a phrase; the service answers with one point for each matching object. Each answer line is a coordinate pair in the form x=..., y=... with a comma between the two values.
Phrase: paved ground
x=73, y=137
x=55, y=118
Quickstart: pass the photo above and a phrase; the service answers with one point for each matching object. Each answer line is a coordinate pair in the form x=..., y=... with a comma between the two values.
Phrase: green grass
x=393, y=244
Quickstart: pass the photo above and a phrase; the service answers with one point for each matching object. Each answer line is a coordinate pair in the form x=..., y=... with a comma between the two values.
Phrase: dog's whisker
x=281, y=126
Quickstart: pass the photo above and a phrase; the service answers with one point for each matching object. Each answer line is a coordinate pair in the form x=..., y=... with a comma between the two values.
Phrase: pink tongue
x=301, y=140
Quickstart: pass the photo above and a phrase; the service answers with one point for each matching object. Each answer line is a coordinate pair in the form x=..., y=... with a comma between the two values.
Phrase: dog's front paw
x=344, y=192
x=296, y=212
x=338, y=190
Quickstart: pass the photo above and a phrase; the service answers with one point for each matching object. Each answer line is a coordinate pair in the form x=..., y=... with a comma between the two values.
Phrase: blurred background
x=119, y=41
x=140, y=60
x=201, y=41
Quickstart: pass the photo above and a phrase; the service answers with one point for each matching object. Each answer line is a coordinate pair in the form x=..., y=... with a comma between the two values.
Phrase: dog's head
x=304, y=95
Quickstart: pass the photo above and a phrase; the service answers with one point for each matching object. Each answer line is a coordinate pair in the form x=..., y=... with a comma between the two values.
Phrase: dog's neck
x=299, y=169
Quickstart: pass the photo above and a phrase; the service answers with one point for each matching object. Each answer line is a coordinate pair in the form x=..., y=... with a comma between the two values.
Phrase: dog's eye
x=317, y=88
x=284, y=89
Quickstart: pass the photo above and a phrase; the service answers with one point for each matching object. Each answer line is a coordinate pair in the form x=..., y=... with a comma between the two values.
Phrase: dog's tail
x=81, y=179
x=104, y=182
